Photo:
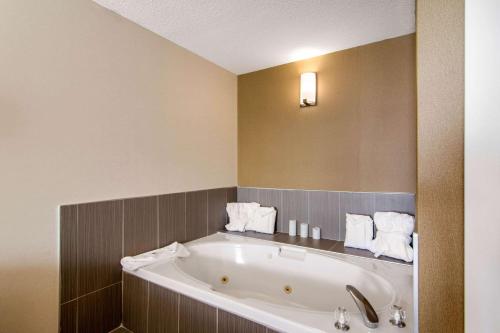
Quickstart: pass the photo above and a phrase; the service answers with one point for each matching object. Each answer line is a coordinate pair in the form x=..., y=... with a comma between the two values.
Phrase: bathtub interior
x=283, y=276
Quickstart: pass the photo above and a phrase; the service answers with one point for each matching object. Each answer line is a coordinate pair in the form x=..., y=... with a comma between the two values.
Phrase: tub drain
x=287, y=289
x=224, y=280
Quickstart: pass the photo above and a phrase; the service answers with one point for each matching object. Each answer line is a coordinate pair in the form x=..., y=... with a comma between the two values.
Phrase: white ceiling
x=247, y=35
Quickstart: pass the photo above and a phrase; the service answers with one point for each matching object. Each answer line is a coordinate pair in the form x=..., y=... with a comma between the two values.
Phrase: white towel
x=239, y=214
x=359, y=231
x=392, y=244
x=394, y=222
x=263, y=220
x=393, y=235
x=173, y=250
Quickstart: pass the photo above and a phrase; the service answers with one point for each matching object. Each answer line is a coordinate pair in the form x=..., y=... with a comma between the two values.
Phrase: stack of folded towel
x=393, y=238
x=174, y=250
x=393, y=235
x=250, y=216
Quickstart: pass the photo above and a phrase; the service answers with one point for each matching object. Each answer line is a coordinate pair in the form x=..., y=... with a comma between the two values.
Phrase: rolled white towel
x=394, y=222
x=263, y=220
x=240, y=214
x=393, y=235
x=144, y=259
x=359, y=231
x=392, y=244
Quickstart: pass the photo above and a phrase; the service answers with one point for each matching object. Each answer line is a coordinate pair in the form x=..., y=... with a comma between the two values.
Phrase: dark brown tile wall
x=69, y=229
x=230, y=323
x=95, y=236
x=217, y=216
x=68, y=317
x=163, y=310
x=135, y=303
x=100, y=311
x=196, y=317
x=140, y=225
x=196, y=214
x=168, y=311
x=99, y=245
x=326, y=209
x=172, y=218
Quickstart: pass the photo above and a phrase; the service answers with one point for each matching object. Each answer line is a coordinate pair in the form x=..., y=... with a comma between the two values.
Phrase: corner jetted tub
x=284, y=287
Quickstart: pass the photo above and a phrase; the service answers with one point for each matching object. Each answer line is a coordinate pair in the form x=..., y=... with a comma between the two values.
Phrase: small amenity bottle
x=292, y=228
x=304, y=230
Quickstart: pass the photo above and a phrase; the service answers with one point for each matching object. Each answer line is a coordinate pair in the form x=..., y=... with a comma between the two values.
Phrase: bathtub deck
x=321, y=244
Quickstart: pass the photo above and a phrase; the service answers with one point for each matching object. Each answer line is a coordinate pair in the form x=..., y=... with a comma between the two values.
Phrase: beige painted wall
x=94, y=107
x=360, y=137
x=440, y=195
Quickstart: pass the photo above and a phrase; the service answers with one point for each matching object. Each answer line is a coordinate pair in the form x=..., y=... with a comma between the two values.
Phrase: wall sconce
x=307, y=89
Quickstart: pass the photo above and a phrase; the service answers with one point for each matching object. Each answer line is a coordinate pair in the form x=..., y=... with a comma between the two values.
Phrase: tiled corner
x=232, y=194
x=246, y=194
x=163, y=309
x=68, y=257
x=100, y=311
x=135, y=303
x=67, y=324
x=217, y=199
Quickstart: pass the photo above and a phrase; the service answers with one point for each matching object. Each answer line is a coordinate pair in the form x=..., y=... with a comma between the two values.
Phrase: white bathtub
x=288, y=288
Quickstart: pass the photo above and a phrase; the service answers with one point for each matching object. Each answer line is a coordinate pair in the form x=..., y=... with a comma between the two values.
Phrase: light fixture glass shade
x=307, y=89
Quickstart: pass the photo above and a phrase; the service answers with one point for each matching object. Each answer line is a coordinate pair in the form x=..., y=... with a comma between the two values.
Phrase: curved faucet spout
x=369, y=315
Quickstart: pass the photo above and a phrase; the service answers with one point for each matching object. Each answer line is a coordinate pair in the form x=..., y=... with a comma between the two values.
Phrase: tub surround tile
x=248, y=194
x=324, y=213
x=140, y=221
x=232, y=194
x=196, y=214
x=195, y=316
x=100, y=311
x=67, y=324
x=135, y=303
x=163, y=310
x=230, y=323
x=273, y=198
x=217, y=217
x=395, y=202
x=68, y=257
x=295, y=207
x=99, y=245
x=172, y=218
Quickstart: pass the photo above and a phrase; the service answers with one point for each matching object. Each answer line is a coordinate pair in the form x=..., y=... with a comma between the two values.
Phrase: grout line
x=92, y=292
x=178, y=312
x=206, y=217
x=77, y=266
x=157, y=221
x=185, y=216
x=147, y=310
x=320, y=190
x=338, y=235
x=216, y=320
x=123, y=228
